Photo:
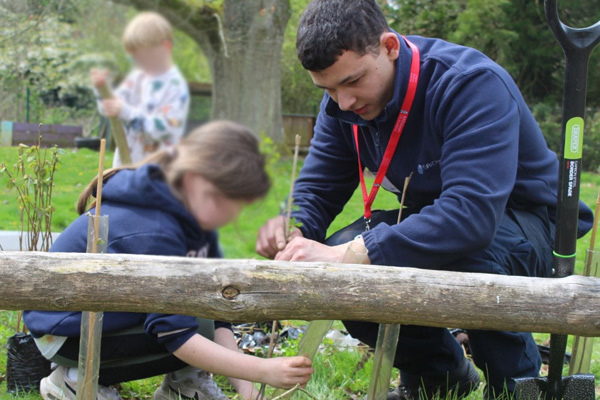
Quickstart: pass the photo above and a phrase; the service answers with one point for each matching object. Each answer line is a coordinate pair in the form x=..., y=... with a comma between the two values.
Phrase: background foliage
x=49, y=46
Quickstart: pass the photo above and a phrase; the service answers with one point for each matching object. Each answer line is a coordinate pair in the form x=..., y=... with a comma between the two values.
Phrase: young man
x=482, y=197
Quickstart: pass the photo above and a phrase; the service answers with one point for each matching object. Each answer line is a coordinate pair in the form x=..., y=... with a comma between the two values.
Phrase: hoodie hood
x=145, y=187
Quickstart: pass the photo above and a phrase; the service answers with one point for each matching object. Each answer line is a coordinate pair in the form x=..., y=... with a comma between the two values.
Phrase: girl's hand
x=284, y=372
x=287, y=372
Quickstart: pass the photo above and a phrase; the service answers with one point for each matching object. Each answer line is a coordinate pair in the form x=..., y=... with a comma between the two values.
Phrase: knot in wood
x=230, y=292
x=61, y=302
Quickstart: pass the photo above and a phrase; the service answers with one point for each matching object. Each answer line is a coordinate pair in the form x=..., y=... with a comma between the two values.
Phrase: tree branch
x=197, y=22
x=254, y=290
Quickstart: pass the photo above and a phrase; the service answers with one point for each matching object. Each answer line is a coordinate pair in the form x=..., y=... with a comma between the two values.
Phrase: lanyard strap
x=369, y=198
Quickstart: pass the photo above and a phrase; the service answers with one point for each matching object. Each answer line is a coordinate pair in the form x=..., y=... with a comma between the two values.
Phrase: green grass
x=336, y=374
x=75, y=170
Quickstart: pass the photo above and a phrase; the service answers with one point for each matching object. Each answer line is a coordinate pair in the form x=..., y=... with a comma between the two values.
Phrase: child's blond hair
x=145, y=30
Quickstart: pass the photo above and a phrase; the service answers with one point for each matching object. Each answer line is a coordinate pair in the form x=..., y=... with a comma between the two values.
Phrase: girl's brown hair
x=224, y=153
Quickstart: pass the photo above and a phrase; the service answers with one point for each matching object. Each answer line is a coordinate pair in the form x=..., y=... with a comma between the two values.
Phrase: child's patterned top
x=154, y=112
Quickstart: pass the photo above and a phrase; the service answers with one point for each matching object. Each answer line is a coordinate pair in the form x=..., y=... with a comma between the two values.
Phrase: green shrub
x=591, y=141
x=549, y=118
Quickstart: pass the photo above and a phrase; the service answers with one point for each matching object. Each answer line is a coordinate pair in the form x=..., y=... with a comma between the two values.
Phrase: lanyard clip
x=367, y=224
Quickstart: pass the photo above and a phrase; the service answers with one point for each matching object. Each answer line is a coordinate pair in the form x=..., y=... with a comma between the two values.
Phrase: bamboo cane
x=583, y=346
x=99, y=195
x=290, y=199
x=288, y=223
x=91, y=322
x=272, y=342
x=387, y=341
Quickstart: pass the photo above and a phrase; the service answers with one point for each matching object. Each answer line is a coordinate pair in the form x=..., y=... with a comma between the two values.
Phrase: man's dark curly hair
x=329, y=27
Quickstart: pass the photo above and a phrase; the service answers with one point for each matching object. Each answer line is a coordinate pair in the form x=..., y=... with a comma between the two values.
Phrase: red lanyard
x=368, y=199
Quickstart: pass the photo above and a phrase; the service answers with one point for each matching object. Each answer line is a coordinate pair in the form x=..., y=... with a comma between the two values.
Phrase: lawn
x=337, y=376
x=75, y=170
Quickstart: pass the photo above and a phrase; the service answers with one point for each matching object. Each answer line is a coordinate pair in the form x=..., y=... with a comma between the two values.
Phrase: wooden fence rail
x=254, y=290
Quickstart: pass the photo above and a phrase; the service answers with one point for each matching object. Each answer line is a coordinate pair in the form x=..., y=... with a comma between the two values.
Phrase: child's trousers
x=130, y=354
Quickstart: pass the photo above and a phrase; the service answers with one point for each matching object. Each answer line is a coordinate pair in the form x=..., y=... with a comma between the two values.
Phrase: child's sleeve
x=165, y=121
x=123, y=91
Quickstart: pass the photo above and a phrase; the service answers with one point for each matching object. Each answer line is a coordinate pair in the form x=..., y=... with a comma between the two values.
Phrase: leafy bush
x=32, y=177
x=549, y=118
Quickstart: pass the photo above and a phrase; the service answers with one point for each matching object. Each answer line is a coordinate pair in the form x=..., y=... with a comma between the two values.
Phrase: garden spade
x=577, y=44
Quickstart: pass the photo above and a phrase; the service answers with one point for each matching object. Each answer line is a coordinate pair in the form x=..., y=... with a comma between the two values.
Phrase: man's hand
x=301, y=249
x=271, y=237
x=98, y=77
x=287, y=372
x=112, y=107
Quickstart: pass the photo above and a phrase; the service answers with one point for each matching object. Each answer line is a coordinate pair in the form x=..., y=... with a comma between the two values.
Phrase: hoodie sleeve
x=479, y=120
x=123, y=91
x=170, y=329
x=328, y=178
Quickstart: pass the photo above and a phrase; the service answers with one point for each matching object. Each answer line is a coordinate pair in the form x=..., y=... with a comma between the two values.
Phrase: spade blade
x=574, y=387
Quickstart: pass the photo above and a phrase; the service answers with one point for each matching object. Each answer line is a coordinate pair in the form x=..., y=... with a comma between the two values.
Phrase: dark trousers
x=130, y=354
x=522, y=246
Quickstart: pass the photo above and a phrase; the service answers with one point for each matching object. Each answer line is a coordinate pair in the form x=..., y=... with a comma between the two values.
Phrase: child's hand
x=98, y=77
x=112, y=107
x=287, y=372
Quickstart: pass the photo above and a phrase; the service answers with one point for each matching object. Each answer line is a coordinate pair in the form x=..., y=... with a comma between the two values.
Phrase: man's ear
x=390, y=43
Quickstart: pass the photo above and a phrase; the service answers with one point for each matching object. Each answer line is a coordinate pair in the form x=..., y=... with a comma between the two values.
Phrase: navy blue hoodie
x=471, y=142
x=144, y=218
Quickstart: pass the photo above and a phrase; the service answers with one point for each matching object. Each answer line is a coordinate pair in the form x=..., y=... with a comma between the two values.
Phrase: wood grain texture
x=118, y=132
x=255, y=290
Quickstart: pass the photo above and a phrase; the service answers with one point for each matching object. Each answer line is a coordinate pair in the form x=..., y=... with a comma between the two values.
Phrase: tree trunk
x=254, y=290
x=247, y=71
x=243, y=45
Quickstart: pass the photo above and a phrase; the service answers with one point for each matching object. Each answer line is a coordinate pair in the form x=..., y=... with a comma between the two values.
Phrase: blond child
x=153, y=100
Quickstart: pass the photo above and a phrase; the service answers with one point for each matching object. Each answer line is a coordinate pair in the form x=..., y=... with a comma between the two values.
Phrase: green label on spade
x=574, y=139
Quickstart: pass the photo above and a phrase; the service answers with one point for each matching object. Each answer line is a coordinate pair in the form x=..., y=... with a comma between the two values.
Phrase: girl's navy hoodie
x=144, y=218
x=471, y=142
